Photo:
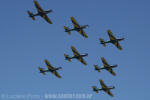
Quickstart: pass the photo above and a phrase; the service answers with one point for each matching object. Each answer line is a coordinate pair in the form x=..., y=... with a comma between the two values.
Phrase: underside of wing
x=111, y=35
x=118, y=45
x=75, y=24
x=39, y=9
x=56, y=74
x=111, y=71
x=75, y=52
x=82, y=61
x=47, y=19
x=49, y=66
x=104, y=61
x=109, y=93
x=83, y=33
x=102, y=84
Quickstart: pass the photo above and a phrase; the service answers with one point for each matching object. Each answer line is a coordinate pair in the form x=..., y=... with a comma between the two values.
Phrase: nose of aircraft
x=86, y=54
x=87, y=26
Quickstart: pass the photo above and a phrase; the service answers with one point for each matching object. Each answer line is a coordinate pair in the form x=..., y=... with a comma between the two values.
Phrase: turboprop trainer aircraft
x=76, y=56
x=41, y=13
x=112, y=40
x=106, y=66
x=77, y=28
x=50, y=69
x=104, y=88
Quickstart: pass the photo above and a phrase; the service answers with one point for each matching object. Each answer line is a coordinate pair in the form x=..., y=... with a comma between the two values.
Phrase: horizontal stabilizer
x=95, y=89
x=31, y=15
x=41, y=70
x=102, y=42
x=67, y=30
x=67, y=57
x=96, y=68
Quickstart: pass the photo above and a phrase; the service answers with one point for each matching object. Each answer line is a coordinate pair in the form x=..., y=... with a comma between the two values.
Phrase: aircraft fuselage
x=107, y=88
x=78, y=29
x=107, y=67
x=114, y=41
x=82, y=55
x=49, y=70
x=42, y=13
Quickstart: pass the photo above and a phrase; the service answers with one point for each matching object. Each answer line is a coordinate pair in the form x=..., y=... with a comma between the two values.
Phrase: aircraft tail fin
x=31, y=15
x=67, y=57
x=67, y=30
x=102, y=42
x=41, y=70
x=96, y=68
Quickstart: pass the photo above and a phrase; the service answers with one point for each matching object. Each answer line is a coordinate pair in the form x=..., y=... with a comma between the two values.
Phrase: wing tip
x=50, y=22
x=72, y=47
x=59, y=77
x=85, y=64
x=86, y=36
x=72, y=17
x=108, y=30
x=114, y=74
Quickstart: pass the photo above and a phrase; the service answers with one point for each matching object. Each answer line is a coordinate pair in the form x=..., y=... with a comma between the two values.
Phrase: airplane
x=106, y=67
x=112, y=40
x=50, y=69
x=104, y=88
x=76, y=56
x=77, y=28
x=41, y=13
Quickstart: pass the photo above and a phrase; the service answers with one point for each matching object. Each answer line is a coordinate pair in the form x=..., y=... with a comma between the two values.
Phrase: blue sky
x=24, y=44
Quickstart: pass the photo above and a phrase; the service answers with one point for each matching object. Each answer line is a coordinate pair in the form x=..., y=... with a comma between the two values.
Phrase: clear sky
x=24, y=44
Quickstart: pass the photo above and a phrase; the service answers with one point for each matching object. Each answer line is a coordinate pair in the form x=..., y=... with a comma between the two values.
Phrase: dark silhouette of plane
x=76, y=56
x=41, y=13
x=77, y=28
x=106, y=66
x=112, y=40
x=50, y=69
x=104, y=88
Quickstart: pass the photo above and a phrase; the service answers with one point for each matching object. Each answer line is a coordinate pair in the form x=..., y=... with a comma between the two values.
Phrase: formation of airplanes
x=76, y=55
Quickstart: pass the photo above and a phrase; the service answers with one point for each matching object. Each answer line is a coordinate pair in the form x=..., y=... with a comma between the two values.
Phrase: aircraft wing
x=49, y=66
x=109, y=93
x=39, y=9
x=47, y=19
x=111, y=36
x=111, y=71
x=102, y=84
x=82, y=60
x=75, y=24
x=75, y=52
x=56, y=74
x=118, y=45
x=104, y=61
x=83, y=33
